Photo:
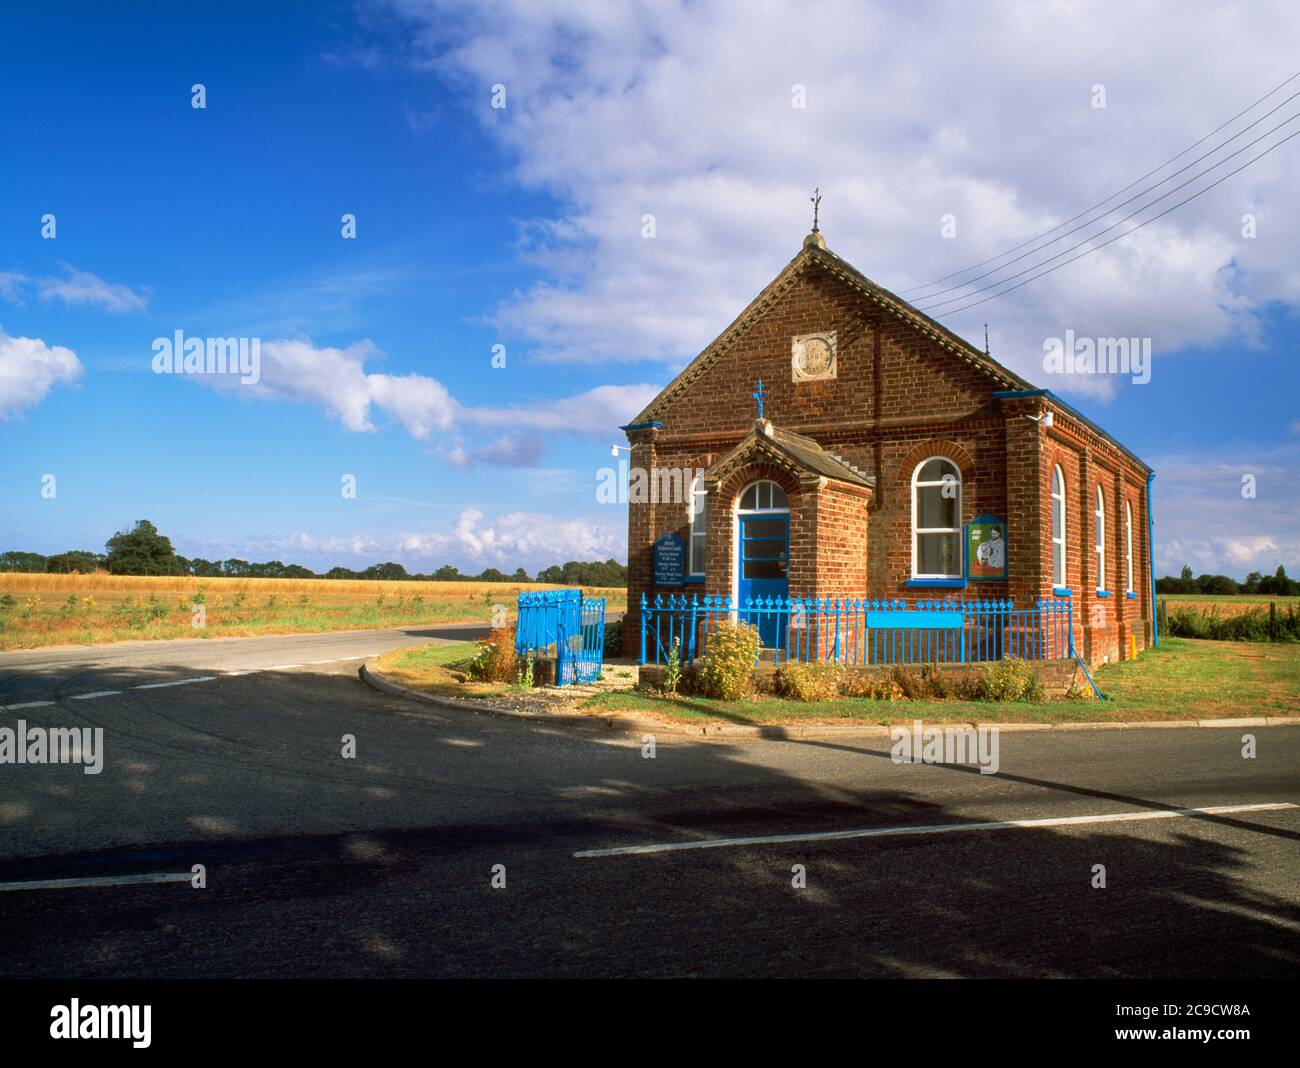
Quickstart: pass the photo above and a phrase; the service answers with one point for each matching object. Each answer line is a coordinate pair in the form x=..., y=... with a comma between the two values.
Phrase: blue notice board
x=670, y=561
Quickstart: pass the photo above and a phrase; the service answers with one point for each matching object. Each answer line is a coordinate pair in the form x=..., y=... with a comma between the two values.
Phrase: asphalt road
x=382, y=865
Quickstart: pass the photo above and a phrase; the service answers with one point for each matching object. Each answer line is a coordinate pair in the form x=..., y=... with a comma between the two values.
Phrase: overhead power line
x=1139, y=226
x=1131, y=215
x=1119, y=192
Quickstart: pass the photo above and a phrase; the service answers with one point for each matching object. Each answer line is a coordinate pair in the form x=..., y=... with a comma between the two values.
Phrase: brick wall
x=898, y=400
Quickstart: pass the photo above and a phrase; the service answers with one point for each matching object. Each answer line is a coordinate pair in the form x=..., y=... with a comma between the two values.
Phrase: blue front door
x=764, y=555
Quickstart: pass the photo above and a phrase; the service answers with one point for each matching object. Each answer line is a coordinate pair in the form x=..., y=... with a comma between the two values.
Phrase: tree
x=141, y=551
x=78, y=560
x=20, y=561
x=521, y=575
x=387, y=571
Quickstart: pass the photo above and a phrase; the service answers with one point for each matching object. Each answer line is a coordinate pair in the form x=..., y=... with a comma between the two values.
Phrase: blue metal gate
x=579, y=654
x=565, y=620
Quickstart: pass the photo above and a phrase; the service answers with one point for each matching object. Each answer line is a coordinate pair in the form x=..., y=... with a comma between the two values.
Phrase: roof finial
x=816, y=199
x=986, y=339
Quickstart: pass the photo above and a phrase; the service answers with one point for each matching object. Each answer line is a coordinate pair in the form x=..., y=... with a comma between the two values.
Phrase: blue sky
x=522, y=226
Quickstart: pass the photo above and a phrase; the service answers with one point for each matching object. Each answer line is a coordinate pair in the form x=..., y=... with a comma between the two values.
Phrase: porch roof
x=790, y=450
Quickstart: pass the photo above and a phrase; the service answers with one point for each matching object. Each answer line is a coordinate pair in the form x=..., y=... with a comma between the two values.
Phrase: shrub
x=614, y=638
x=871, y=685
x=524, y=679
x=8, y=602
x=808, y=682
x=727, y=672
x=496, y=660
x=673, y=667
x=1009, y=680
x=1257, y=626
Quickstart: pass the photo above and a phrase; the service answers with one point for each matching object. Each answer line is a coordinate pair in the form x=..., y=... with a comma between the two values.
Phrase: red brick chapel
x=882, y=437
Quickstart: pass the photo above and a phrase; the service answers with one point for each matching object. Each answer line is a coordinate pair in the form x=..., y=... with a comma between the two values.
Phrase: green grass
x=432, y=669
x=1181, y=680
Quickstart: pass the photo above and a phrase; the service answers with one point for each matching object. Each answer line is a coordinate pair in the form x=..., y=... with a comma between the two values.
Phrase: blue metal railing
x=859, y=631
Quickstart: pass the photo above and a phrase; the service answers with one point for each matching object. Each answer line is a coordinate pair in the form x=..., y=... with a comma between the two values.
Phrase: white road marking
x=939, y=828
x=92, y=696
x=99, y=880
x=230, y=674
x=321, y=661
x=25, y=704
x=178, y=682
x=282, y=667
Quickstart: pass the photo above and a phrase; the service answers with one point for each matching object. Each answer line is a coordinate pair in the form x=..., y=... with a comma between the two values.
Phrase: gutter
x=1001, y=394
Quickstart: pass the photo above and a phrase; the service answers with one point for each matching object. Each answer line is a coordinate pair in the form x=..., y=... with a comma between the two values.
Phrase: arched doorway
x=763, y=555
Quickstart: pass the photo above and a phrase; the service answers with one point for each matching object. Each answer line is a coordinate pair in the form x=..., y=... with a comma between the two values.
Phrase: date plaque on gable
x=812, y=356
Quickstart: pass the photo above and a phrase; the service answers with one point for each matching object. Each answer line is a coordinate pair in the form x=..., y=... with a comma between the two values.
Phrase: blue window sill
x=1103, y=593
x=695, y=580
x=937, y=583
x=1062, y=591
x=1130, y=596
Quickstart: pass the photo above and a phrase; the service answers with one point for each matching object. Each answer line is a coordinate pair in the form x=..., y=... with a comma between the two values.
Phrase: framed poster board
x=986, y=548
x=670, y=560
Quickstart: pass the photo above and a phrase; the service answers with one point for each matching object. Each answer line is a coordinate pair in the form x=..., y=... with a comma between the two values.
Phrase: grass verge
x=1181, y=680
x=433, y=669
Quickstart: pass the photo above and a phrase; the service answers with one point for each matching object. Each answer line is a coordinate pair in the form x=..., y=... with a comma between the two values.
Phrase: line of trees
x=142, y=550
x=1275, y=585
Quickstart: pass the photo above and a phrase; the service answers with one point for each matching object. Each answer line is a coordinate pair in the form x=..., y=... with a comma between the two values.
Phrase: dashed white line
x=92, y=696
x=99, y=880
x=178, y=682
x=25, y=704
x=282, y=667
x=940, y=828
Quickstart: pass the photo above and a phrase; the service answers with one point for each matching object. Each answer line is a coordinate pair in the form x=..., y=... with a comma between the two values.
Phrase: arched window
x=1128, y=547
x=764, y=497
x=1058, y=526
x=1101, y=539
x=936, y=519
x=699, y=524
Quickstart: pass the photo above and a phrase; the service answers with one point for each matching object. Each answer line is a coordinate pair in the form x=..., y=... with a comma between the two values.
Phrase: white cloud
x=592, y=412
x=82, y=287
x=12, y=284
x=29, y=369
x=336, y=380
x=509, y=450
x=517, y=539
x=1204, y=521
x=913, y=112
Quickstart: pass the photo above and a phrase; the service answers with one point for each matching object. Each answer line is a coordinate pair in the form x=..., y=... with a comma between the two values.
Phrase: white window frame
x=775, y=510
x=1100, y=515
x=697, y=511
x=1058, y=513
x=917, y=531
x=1128, y=546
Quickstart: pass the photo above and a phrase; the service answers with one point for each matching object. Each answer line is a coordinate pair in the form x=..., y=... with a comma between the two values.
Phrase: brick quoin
x=904, y=390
